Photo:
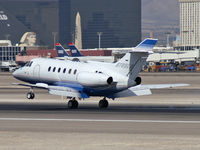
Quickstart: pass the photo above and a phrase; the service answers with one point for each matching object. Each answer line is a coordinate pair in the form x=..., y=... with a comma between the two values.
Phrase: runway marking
x=101, y=120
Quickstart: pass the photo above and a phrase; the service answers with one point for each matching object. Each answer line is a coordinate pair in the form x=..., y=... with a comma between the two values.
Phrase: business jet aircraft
x=81, y=80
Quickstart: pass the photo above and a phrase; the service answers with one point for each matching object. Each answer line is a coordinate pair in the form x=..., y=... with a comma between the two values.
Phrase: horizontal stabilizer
x=162, y=86
x=133, y=91
x=142, y=90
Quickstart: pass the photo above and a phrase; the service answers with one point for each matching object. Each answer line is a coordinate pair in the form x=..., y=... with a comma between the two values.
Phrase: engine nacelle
x=138, y=80
x=94, y=79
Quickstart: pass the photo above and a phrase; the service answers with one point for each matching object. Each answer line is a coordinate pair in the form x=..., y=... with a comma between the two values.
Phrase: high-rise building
x=65, y=21
x=189, y=23
x=118, y=21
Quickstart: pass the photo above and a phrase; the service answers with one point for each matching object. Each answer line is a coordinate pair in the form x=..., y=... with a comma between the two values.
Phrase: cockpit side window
x=27, y=64
x=30, y=63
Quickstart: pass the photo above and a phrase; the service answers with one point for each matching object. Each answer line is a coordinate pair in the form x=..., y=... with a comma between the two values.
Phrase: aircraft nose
x=15, y=73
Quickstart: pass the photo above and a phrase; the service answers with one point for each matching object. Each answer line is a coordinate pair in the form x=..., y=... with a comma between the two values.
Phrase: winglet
x=146, y=46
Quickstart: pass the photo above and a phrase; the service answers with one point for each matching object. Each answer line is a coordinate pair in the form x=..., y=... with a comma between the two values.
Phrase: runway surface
x=168, y=119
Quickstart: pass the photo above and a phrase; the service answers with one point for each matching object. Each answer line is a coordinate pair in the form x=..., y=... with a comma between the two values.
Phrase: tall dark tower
x=118, y=21
x=64, y=21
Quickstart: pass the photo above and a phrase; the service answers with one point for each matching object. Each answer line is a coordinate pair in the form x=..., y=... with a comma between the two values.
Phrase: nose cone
x=15, y=73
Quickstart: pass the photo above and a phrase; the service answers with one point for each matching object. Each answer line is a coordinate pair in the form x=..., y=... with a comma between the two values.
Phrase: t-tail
x=61, y=51
x=74, y=51
x=131, y=64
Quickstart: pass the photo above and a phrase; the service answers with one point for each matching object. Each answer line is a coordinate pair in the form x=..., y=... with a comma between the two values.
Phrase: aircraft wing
x=142, y=90
x=58, y=90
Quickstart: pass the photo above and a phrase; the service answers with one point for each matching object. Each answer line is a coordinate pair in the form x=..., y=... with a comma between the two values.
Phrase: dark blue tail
x=74, y=51
x=61, y=51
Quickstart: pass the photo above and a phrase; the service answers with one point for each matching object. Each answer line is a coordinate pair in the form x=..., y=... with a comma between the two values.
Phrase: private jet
x=81, y=80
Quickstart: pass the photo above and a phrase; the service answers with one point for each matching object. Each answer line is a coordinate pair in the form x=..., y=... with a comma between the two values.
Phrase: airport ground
x=168, y=119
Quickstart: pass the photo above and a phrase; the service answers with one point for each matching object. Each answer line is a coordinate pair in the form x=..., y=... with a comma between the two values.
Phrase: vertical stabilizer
x=74, y=51
x=61, y=51
x=131, y=64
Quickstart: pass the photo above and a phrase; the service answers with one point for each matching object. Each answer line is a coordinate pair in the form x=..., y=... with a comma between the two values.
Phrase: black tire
x=73, y=104
x=32, y=95
x=28, y=95
x=103, y=104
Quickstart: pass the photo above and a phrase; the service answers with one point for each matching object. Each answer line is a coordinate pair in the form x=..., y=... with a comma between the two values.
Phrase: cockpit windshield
x=28, y=64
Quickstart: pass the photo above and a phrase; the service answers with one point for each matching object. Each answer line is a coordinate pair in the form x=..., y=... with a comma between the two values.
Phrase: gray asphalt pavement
x=168, y=119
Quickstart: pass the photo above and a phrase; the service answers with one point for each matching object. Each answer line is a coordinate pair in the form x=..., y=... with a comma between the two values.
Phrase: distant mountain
x=160, y=12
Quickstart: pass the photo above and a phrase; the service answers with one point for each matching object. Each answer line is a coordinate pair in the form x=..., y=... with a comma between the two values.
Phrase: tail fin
x=74, y=51
x=145, y=46
x=61, y=51
x=131, y=64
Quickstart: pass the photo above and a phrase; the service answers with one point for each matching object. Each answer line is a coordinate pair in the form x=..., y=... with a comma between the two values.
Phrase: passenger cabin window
x=70, y=70
x=49, y=69
x=59, y=70
x=64, y=70
x=54, y=69
x=75, y=71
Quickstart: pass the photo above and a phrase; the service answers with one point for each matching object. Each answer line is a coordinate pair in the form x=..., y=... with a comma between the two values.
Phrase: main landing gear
x=73, y=104
x=30, y=95
x=103, y=103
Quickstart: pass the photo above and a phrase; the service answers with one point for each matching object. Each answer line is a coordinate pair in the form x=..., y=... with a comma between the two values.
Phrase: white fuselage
x=93, y=75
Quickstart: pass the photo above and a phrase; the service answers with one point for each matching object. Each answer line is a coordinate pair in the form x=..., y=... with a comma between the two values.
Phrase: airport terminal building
x=118, y=21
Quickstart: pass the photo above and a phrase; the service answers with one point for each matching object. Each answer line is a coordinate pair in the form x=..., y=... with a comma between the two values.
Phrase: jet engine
x=94, y=79
x=138, y=80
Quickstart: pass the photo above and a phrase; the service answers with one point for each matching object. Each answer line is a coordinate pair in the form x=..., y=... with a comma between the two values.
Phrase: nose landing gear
x=30, y=95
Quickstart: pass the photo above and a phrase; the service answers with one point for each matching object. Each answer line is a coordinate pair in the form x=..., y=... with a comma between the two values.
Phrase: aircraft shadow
x=94, y=108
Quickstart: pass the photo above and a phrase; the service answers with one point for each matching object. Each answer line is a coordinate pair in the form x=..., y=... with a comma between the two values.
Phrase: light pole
x=7, y=36
x=99, y=34
x=54, y=38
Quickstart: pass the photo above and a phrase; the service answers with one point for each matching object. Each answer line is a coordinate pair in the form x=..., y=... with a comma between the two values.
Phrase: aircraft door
x=36, y=72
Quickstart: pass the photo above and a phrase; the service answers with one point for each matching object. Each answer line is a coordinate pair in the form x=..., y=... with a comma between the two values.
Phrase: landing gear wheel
x=30, y=95
x=73, y=104
x=103, y=103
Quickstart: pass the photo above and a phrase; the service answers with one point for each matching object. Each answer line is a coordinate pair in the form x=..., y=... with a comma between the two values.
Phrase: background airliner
x=76, y=79
x=77, y=56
